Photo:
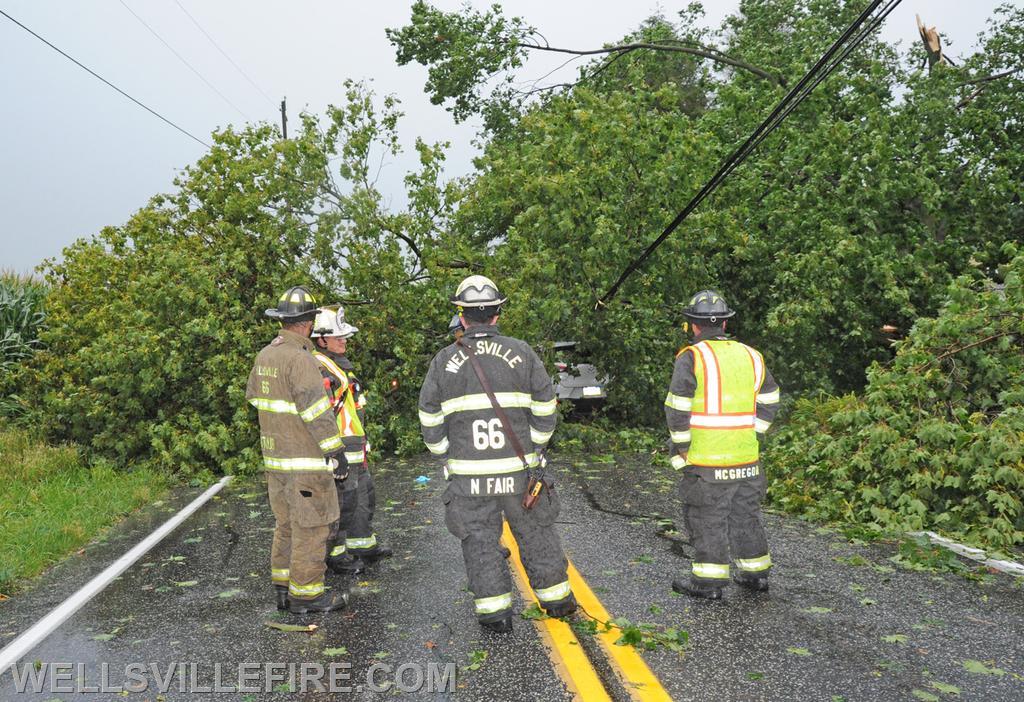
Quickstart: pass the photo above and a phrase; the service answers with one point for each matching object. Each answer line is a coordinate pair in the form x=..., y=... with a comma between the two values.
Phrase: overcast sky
x=77, y=156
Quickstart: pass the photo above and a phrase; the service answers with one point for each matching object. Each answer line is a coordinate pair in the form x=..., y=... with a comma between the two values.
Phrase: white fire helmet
x=330, y=321
x=478, y=291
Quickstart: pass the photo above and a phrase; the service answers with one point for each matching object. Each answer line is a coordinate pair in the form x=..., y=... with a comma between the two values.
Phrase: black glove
x=337, y=461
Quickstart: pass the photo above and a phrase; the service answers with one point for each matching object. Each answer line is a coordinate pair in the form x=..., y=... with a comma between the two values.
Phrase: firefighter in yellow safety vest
x=353, y=541
x=722, y=398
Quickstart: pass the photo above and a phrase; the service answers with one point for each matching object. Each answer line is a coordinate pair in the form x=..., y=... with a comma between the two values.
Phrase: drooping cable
x=769, y=124
x=224, y=53
x=184, y=61
x=865, y=31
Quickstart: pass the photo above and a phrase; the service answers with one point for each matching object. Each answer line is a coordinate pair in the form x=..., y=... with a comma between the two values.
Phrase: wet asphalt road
x=859, y=628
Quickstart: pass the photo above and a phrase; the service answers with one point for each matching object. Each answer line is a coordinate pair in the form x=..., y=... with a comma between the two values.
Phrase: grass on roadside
x=52, y=503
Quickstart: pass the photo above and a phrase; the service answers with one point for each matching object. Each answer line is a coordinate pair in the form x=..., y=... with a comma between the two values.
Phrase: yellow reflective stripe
x=487, y=466
x=711, y=570
x=761, y=426
x=354, y=457
x=362, y=542
x=544, y=409
x=758, y=362
x=331, y=443
x=333, y=369
x=279, y=574
x=677, y=462
x=479, y=401
x=768, y=398
x=296, y=464
x=439, y=447
x=311, y=590
x=315, y=409
x=678, y=402
x=492, y=605
x=554, y=593
x=754, y=564
x=431, y=419
x=540, y=437
x=680, y=437
x=277, y=406
x=338, y=550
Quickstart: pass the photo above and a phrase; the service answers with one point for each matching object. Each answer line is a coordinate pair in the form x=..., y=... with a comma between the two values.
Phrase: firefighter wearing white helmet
x=721, y=399
x=489, y=458
x=353, y=539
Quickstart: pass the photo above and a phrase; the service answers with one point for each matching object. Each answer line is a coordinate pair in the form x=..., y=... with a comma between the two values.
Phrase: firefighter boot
x=751, y=581
x=685, y=586
x=563, y=609
x=326, y=602
x=377, y=553
x=282, y=596
x=502, y=626
x=346, y=564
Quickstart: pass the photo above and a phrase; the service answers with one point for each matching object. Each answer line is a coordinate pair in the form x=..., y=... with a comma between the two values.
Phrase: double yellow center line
x=569, y=657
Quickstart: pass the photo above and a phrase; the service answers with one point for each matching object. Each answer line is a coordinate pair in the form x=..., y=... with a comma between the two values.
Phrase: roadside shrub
x=21, y=319
x=935, y=441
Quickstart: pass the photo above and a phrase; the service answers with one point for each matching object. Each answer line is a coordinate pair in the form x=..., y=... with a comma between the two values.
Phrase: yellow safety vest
x=729, y=376
x=343, y=399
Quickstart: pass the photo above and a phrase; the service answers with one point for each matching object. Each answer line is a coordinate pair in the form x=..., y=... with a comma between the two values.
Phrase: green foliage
x=53, y=502
x=936, y=441
x=855, y=214
x=602, y=435
x=463, y=50
x=882, y=188
x=153, y=325
x=919, y=553
x=21, y=319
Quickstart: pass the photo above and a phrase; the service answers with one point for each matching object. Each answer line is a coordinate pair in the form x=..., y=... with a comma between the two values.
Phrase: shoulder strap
x=498, y=409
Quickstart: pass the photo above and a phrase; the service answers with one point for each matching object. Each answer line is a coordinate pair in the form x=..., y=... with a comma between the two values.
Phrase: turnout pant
x=477, y=522
x=348, y=495
x=724, y=518
x=304, y=506
x=360, y=539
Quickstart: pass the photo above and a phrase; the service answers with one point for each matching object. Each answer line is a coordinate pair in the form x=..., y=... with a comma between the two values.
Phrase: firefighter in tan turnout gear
x=722, y=398
x=302, y=454
x=486, y=475
x=353, y=541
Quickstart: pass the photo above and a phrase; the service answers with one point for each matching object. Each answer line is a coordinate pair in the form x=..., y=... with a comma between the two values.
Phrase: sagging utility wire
x=224, y=53
x=78, y=63
x=184, y=61
x=823, y=67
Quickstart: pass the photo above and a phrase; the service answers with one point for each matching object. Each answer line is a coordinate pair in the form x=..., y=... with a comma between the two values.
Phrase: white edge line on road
x=13, y=652
x=975, y=554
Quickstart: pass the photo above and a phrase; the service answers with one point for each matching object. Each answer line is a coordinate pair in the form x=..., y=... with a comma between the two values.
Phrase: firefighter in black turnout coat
x=487, y=478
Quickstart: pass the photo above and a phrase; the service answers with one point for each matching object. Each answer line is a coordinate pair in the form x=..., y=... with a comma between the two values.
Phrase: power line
x=851, y=46
x=182, y=59
x=793, y=98
x=78, y=63
x=223, y=53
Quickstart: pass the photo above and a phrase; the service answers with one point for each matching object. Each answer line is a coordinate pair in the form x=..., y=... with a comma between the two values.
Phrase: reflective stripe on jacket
x=721, y=396
x=297, y=426
x=457, y=420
